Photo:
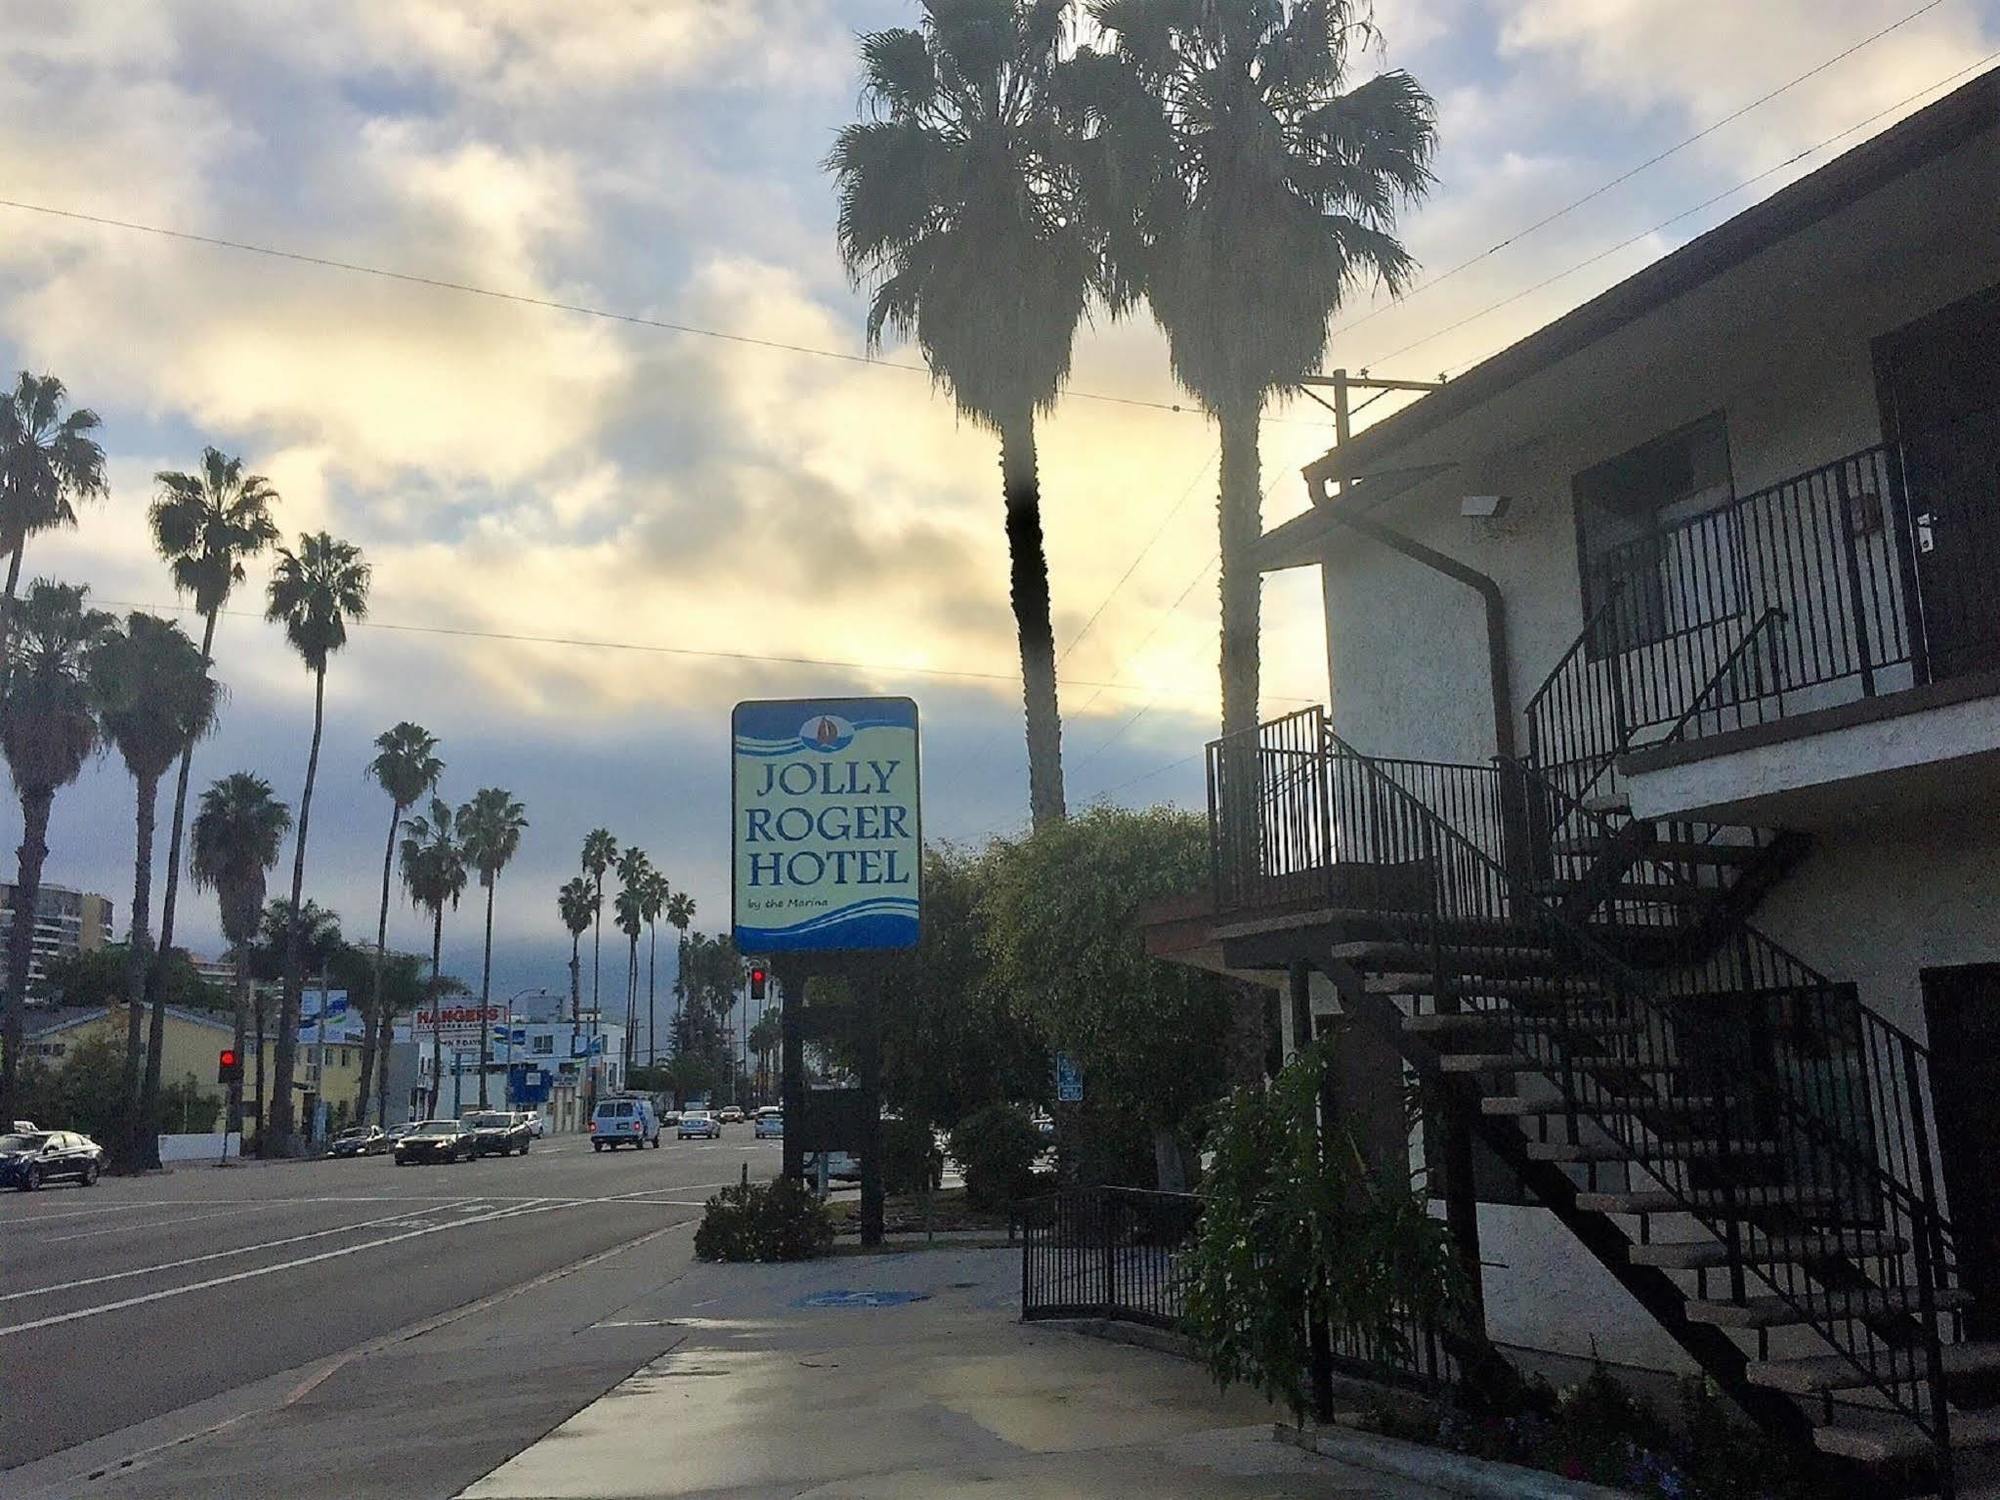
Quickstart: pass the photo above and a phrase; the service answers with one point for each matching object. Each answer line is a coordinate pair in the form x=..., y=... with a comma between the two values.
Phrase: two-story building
x=1655, y=820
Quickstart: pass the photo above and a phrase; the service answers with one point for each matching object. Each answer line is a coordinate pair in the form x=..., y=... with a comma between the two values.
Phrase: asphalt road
x=122, y=1303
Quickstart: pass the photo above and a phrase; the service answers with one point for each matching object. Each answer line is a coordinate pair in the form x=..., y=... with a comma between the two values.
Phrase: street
x=124, y=1304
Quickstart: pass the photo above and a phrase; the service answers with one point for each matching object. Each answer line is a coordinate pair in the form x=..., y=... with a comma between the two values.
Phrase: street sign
x=825, y=825
x=1069, y=1079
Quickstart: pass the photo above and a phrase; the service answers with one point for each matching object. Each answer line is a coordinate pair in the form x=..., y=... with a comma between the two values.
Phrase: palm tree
x=960, y=209
x=634, y=869
x=313, y=593
x=599, y=853
x=1248, y=191
x=434, y=874
x=236, y=837
x=680, y=912
x=154, y=700
x=653, y=897
x=490, y=826
x=48, y=729
x=576, y=905
x=405, y=766
x=48, y=461
x=319, y=939
x=205, y=525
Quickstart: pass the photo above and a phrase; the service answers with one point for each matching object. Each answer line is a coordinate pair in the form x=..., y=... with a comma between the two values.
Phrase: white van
x=624, y=1122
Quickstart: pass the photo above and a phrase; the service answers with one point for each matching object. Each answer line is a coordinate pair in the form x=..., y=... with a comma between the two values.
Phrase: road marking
x=519, y=1211
x=85, y=1234
x=195, y=1260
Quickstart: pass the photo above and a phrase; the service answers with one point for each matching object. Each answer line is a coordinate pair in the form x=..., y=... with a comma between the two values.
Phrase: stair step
x=1776, y=1312
x=1489, y=1062
x=1625, y=890
x=1664, y=851
x=1834, y=1372
x=1603, y=803
x=1875, y=1440
x=1696, y=1255
x=1423, y=982
x=1530, y=1108
x=1660, y=1201
x=1490, y=1020
x=1609, y=1150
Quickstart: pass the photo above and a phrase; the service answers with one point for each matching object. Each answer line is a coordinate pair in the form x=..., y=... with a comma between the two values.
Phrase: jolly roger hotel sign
x=826, y=828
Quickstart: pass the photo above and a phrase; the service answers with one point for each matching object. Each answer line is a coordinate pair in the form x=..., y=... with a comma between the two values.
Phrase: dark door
x=1962, y=1007
x=1941, y=391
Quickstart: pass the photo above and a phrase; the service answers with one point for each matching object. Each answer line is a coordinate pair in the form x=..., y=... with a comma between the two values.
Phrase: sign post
x=827, y=860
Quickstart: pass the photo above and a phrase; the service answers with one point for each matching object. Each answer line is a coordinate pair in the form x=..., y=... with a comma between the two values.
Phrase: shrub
x=996, y=1148
x=910, y=1157
x=758, y=1221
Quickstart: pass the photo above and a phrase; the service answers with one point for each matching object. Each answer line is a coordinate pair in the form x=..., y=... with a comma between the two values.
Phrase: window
x=344, y=1058
x=1643, y=553
x=543, y=1045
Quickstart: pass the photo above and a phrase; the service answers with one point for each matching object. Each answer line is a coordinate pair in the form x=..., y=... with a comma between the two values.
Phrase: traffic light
x=228, y=1066
x=759, y=978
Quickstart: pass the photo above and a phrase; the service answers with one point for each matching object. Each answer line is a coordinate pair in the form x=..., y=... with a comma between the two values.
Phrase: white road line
x=128, y=1228
x=256, y=1271
x=195, y=1260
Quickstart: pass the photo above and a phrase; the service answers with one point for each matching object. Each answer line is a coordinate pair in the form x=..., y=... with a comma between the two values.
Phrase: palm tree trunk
x=286, y=1047
x=135, y=962
x=631, y=1005
x=1241, y=507
x=575, y=980
x=35, y=804
x=652, y=984
x=156, y=976
x=7, y=614
x=437, y=1004
x=234, y=1122
x=385, y=1036
x=1028, y=588
x=485, y=995
x=375, y=979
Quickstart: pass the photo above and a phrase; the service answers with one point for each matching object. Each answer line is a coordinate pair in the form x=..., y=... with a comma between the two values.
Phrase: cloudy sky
x=685, y=506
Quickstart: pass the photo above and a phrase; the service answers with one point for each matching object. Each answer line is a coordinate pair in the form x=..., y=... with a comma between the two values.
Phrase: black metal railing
x=1117, y=1253
x=1795, y=597
x=1786, y=1117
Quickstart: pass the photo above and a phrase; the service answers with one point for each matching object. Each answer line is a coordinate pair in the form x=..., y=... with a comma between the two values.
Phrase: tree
x=1246, y=190
x=205, y=525
x=766, y=1037
x=48, y=461
x=313, y=593
x=961, y=211
x=490, y=827
x=576, y=905
x=48, y=728
x=653, y=897
x=599, y=850
x=1149, y=1035
x=679, y=913
x=319, y=940
x=434, y=873
x=237, y=834
x=634, y=870
x=405, y=766
x=154, y=700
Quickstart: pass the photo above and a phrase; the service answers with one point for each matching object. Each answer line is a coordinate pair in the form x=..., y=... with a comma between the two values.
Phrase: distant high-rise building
x=66, y=921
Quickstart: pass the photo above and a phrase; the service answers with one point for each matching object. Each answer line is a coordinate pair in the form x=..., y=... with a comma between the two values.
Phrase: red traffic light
x=228, y=1066
x=759, y=979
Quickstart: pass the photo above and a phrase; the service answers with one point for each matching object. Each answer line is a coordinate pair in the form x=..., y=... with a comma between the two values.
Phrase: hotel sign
x=826, y=827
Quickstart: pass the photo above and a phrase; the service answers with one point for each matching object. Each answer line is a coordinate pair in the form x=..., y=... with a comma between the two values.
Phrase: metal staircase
x=1744, y=1145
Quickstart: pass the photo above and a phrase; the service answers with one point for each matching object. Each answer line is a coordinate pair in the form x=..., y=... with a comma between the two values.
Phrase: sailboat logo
x=826, y=733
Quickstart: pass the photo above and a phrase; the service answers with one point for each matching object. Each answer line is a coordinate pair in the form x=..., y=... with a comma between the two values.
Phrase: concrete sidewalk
x=900, y=1376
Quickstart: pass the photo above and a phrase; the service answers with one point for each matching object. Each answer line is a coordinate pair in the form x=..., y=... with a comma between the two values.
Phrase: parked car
x=670, y=1119
x=30, y=1158
x=396, y=1132
x=536, y=1127
x=499, y=1132
x=841, y=1166
x=698, y=1122
x=359, y=1140
x=437, y=1140
x=624, y=1122
x=729, y=1114
x=769, y=1124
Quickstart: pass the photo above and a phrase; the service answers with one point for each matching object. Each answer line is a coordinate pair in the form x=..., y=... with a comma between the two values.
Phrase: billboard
x=826, y=831
x=459, y=1023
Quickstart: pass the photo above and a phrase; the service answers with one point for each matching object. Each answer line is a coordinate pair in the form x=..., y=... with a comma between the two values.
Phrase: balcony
x=1758, y=660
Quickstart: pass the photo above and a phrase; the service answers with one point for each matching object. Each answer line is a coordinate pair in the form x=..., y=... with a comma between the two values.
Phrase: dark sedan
x=31, y=1159
x=360, y=1140
x=437, y=1140
x=500, y=1133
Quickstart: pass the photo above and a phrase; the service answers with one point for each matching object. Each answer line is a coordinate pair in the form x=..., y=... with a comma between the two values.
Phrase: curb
x=1453, y=1473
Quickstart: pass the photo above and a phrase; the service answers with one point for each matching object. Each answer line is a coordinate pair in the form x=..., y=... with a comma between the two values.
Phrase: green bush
x=782, y=1220
x=996, y=1148
x=910, y=1157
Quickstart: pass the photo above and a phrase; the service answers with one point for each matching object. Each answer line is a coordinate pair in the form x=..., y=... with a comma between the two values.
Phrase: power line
x=1158, y=532
x=1668, y=223
x=552, y=304
x=1626, y=176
